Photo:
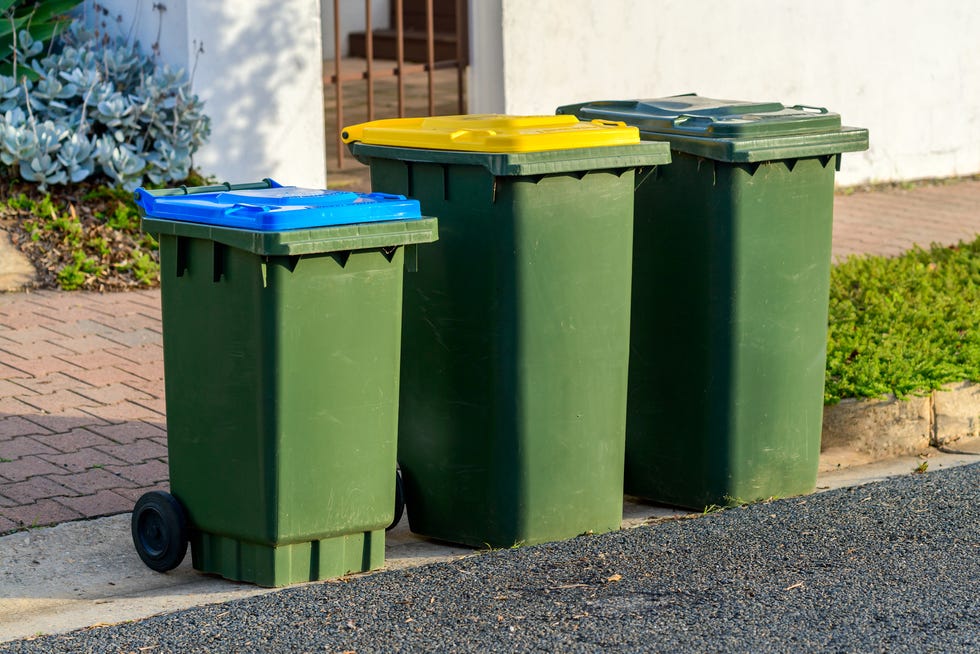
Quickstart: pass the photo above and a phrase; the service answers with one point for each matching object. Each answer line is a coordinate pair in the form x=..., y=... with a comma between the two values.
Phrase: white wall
x=909, y=71
x=485, y=88
x=352, y=19
x=260, y=76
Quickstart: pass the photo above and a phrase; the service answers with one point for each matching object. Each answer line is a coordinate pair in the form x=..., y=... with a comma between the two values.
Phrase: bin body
x=514, y=360
x=281, y=353
x=732, y=254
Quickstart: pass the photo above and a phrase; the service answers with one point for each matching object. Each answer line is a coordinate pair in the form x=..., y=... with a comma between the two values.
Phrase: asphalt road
x=887, y=567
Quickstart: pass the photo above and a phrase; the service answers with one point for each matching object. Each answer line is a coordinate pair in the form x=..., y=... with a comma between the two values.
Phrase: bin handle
x=683, y=118
x=608, y=123
x=386, y=196
x=807, y=107
x=472, y=135
x=243, y=208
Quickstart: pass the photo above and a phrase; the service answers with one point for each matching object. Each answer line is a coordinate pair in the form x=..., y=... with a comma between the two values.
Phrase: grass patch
x=904, y=325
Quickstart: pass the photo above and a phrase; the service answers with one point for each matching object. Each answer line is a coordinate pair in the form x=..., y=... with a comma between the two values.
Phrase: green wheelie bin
x=731, y=275
x=281, y=336
x=513, y=388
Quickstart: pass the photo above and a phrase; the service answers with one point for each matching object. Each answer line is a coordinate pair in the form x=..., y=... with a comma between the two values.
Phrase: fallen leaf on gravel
x=616, y=577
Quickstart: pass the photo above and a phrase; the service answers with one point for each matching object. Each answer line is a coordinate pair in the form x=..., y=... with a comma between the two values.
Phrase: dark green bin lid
x=730, y=130
x=518, y=164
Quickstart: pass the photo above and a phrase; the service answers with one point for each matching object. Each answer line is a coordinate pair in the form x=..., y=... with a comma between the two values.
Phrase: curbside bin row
x=731, y=273
x=588, y=310
x=281, y=335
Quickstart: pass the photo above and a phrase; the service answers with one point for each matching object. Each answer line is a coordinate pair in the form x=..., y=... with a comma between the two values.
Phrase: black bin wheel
x=160, y=530
x=399, y=501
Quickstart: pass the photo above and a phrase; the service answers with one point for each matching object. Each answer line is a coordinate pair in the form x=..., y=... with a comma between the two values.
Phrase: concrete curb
x=891, y=427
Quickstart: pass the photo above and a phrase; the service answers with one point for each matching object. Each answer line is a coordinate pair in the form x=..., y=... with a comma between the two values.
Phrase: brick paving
x=82, y=421
x=888, y=222
x=82, y=417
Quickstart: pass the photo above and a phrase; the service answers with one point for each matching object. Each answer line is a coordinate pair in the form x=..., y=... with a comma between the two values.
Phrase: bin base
x=474, y=531
x=697, y=497
x=270, y=566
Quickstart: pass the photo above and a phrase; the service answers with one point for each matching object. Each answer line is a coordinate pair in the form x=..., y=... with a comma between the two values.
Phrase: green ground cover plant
x=85, y=236
x=904, y=325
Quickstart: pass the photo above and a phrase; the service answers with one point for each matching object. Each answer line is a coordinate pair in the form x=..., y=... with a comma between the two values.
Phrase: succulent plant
x=98, y=106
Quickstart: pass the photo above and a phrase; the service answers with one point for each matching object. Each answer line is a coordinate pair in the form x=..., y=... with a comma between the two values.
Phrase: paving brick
x=93, y=480
x=158, y=405
x=148, y=371
x=55, y=381
x=84, y=344
x=12, y=426
x=86, y=327
x=6, y=372
x=35, y=488
x=14, y=448
x=136, y=452
x=50, y=299
x=129, y=432
x=113, y=393
x=143, y=474
x=145, y=320
x=92, y=360
x=74, y=440
x=147, y=353
x=40, y=513
x=32, y=334
x=12, y=406
x=26, y=467
x=148, y=298
x=35, y=350
x=65, y=421
x=119, y=303
x=38, y=367
x=10, y=389
x=133, y=494
x=137, y=338
x=104, y=376
x=123, y=412
x=20, y=319
x=57, y=401
x=104, y=502
x=86, y=458
x=7, y=525
x=75, y=313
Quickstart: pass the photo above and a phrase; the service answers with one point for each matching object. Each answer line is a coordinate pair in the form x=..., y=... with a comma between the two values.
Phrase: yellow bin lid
x=493, y=133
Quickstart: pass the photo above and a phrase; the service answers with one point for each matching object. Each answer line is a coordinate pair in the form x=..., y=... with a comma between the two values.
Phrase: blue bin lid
x=279, y=208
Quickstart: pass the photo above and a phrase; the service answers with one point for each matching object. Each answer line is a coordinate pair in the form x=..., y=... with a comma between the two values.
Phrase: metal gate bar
x=373, y=72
